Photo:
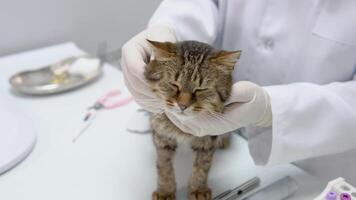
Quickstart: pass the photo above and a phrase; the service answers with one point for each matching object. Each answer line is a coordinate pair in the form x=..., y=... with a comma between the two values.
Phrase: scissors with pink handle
x=109, y=101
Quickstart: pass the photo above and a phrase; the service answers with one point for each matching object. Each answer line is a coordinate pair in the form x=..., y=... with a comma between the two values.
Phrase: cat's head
x=191, y=77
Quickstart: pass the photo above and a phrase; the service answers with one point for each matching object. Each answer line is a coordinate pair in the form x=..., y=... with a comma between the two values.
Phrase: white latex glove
x=249, y=105
x=136, y=54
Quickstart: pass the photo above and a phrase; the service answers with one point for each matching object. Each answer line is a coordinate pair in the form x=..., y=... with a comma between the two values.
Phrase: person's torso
x=285, y=41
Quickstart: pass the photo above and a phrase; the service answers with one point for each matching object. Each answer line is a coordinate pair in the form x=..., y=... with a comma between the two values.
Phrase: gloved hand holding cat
x=248, y=105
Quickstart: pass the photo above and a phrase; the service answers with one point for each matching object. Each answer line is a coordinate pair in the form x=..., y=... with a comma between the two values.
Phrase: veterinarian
x=294, y=95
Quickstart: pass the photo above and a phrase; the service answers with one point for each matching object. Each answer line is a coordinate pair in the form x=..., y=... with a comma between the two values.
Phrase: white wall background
x=28, y=24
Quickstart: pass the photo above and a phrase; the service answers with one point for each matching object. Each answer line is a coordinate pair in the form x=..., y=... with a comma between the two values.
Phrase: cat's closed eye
x=175, y=85
x=200, y=89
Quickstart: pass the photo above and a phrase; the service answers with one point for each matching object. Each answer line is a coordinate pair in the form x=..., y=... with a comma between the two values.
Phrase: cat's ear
x=163, y=50
x=153, y=71
x=227, y=59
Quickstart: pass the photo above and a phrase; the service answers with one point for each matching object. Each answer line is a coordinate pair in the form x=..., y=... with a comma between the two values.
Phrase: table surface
x=108, y=162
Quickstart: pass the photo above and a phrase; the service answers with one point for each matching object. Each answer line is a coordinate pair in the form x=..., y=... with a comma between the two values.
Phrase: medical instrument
x=108, y=101
x=331, y=196
x=345, y=196
x=17, y=135
x=338, y=189
x=278, y=190
x=61, y=76
x=239, y=191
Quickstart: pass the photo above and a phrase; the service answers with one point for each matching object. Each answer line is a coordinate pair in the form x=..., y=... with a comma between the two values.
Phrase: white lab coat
x=304, y=54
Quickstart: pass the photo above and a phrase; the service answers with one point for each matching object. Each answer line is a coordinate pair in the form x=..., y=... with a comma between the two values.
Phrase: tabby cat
x=190, y=77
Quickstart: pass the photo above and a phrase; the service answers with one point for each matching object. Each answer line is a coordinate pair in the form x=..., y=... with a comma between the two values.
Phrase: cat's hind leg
x=198, y=183
x=166, y=185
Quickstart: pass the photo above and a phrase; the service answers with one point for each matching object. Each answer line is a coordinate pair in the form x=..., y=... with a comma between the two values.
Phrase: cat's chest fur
x=162, y=125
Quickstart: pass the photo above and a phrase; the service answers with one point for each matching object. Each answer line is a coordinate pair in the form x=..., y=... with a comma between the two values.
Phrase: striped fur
x=190, y=77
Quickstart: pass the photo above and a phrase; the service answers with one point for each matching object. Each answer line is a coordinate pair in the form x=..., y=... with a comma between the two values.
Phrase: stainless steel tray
x=44, y=80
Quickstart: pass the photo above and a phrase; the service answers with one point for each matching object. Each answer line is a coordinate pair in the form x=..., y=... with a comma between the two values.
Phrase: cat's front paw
x=163, y=196
x=200, y=194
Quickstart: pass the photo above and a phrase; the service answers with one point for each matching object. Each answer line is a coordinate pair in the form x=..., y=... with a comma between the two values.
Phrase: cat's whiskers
x=169, y=104
x=223, y=119
x=152, y=104
x=220, y=116
x=197, y=109
x=206, y=118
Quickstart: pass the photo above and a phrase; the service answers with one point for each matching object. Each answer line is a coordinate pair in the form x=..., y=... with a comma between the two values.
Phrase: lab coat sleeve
x=190, y=19
x=309, y=120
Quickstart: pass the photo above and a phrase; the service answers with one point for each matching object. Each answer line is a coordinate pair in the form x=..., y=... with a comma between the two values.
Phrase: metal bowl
x=45, y=81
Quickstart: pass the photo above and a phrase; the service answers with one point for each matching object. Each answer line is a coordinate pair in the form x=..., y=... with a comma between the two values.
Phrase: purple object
x=345, y=196
x=331, y=196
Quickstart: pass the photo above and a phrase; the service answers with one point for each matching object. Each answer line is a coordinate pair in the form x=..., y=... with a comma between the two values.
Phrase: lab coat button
x=268, y=43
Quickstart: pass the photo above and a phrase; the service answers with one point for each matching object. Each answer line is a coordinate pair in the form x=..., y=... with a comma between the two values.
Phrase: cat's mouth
x=181, y=110
x=177, y=111
x=182, y=114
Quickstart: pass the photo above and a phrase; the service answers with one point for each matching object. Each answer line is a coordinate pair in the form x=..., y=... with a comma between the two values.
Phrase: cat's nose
x=184, y=100
x=182, y=107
